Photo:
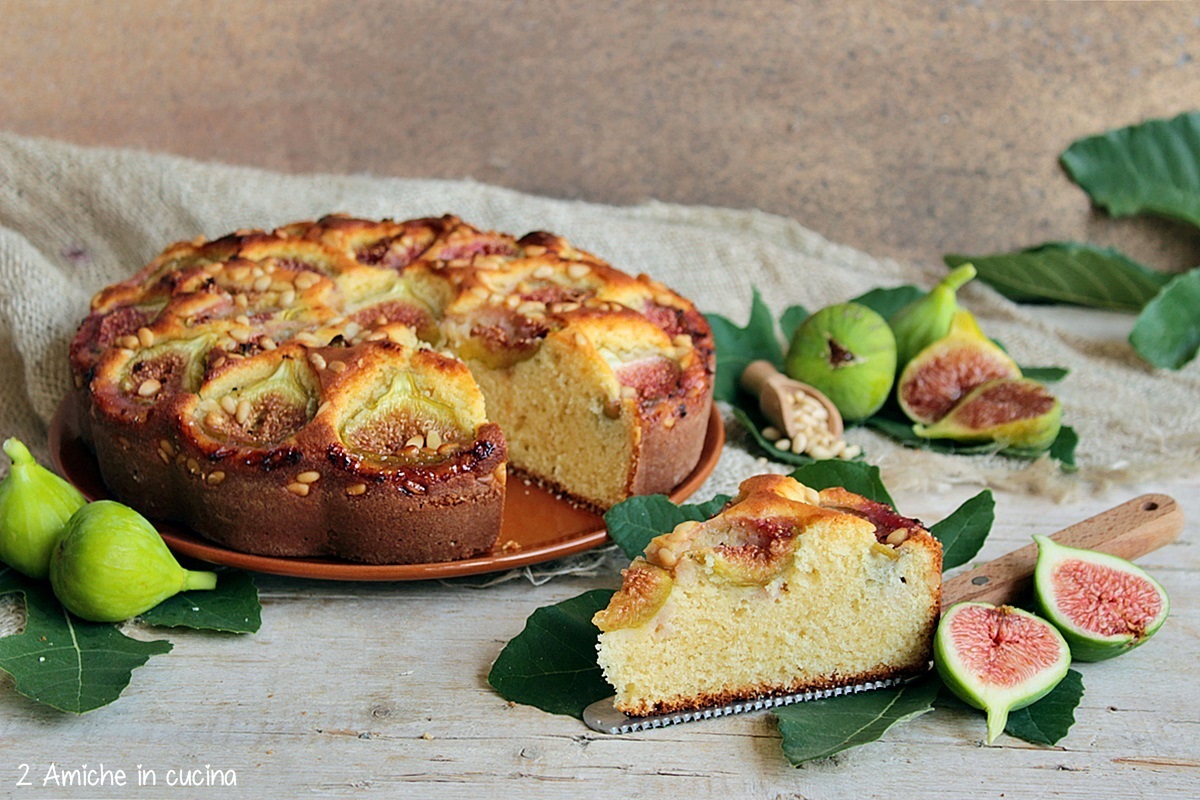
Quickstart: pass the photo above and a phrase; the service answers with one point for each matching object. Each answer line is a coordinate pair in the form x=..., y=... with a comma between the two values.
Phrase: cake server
x=1130, y=530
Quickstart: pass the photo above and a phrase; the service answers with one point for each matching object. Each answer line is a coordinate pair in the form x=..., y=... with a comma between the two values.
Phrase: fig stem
x=997, y=719
x=199, y=580
x=958, y=277
x=18, y=452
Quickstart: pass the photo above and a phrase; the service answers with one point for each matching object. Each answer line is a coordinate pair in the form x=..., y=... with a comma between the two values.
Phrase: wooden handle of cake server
x=1129, y=530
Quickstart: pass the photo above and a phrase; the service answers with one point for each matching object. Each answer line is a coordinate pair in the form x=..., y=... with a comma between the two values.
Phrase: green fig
x=35, y=505
x=111, y=564
x=1013, y=412
x=1103, y=605
x=998, y=658
x=945, y=371
x=927, y=319
x=847, y=352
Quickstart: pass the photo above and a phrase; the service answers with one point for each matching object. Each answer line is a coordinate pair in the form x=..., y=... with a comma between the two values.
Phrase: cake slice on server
x=787, y=590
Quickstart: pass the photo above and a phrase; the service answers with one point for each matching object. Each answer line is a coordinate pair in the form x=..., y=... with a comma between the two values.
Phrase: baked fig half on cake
x=785, y=590
x=359, y=389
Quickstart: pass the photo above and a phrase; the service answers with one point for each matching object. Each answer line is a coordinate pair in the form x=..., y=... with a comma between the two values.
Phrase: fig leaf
x=1167, y=332
x=634, y=522
x=856, y=476
x=886, y=302
x=820, y=728
x=1046, y=374
x=551, y=664
x=232, y=607
x=754, y=423
x=737, y=347
x=791, y=319
x=1068, y=272
x=965, y=530
x=1048, y=720
x=1151, y=168
x=62, y=661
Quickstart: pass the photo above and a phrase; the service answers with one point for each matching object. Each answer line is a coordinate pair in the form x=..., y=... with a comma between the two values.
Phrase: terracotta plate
x=538, y=526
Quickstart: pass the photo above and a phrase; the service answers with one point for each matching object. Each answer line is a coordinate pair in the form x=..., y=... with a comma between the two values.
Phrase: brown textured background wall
x=905, y=129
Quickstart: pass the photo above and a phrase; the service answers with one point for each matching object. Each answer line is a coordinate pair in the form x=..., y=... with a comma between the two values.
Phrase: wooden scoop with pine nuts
x=803, y=420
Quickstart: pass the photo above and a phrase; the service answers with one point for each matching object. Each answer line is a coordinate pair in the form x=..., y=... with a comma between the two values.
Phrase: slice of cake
x=785, y=590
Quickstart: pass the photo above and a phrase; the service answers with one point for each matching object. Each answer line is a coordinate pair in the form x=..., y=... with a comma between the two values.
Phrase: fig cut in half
x=1103, y=605
x=998, y=658
x=943, y=373
x=1013, y=412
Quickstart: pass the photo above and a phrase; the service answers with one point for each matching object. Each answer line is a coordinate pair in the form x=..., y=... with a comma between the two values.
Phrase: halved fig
x=1103, y=605
x=644, y=589
x=1014, y=412
x=947, y=370
x=174, y=365
x=998, y=658
x=262, y=402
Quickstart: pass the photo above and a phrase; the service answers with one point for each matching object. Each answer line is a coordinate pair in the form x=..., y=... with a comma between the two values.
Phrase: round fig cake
x=358, y=389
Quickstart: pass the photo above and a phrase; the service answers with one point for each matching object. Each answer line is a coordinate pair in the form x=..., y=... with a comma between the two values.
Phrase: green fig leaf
x=1167, y=332
x=634, y=522
x=737, y=347
x=1152, y=167
x=965, y=530
x=232, y=607
x=791, y=319
x=1045, y=374
x=820, y=728
x=856, y=476
x=551, y=664
x=1067, y=272
x=755, y=422
x=65, y=662
x=1048, y=720
x=886, y=302
x=1063, y=448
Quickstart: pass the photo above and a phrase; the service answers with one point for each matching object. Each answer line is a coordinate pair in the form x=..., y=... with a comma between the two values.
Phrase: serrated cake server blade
x=1130, y=530
x=602, y=716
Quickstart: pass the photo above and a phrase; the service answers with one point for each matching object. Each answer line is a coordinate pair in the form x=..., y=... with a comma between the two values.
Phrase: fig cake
x=359, y=389
x=785, y=590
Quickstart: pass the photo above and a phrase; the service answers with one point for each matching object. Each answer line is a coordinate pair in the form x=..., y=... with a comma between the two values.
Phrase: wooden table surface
x=904, y=129
x=379, y=690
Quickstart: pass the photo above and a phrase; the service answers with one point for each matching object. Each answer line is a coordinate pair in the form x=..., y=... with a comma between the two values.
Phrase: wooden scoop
x=777, y=393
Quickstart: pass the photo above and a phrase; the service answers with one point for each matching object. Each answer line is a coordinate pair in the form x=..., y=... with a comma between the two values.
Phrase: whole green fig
x=848, y=352
x=927, y=319
x=35, y=505
x=111, y=565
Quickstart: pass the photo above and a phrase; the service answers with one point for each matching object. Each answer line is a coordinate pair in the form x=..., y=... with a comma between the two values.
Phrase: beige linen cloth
x=73, y=220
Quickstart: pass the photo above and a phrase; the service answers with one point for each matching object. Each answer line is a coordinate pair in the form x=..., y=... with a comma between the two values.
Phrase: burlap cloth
x=75, y=219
